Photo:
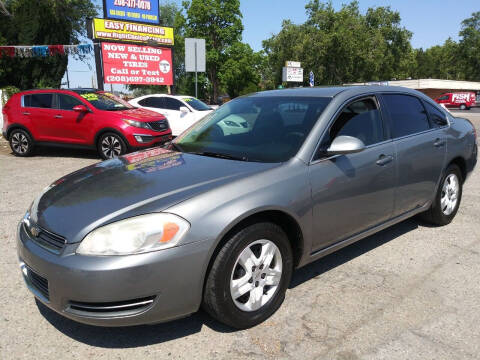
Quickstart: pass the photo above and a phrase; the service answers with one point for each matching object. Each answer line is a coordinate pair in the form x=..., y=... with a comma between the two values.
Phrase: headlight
x=135, y=235
x=138, y=124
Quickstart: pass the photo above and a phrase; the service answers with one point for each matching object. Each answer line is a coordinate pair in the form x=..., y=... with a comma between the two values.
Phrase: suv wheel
x=447, y=199
x=249, y=277
x=21, y=143
x=111, y=145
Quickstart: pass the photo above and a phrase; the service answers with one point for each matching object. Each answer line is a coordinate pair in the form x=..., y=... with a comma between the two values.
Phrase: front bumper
x=98, y=290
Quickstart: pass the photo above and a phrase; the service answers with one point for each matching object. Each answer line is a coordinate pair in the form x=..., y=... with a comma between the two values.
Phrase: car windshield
x=105, y=101
x=197, y=104
x=264, y=129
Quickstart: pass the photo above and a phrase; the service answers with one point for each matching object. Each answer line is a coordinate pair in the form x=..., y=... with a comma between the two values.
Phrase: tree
x=219, y=22
x=470, y=47
x=344, y=46
x=41, y=22
x=239, y=74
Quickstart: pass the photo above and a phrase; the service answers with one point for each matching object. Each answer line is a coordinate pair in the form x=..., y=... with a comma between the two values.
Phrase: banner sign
x=134, y=10
x=133, y=64
x=105, y=29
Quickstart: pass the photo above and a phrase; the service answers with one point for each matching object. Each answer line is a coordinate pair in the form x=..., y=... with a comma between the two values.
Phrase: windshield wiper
x=220, y=155
x=176, y=147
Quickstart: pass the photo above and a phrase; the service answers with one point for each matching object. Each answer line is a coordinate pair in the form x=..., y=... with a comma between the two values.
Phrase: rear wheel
x=21, y=143
x=249, y=277
x=463, y=107
x=448, y=197
x=111, y=145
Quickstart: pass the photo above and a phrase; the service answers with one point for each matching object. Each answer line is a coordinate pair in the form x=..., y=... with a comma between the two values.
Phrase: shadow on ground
x=130, y=337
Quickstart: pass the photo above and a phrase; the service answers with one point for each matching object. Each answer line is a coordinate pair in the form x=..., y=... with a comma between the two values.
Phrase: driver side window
x=360, y=119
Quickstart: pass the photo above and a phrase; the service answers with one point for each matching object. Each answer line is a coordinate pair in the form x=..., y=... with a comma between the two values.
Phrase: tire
x=21, y=143
x=244, y=311
x=111, y=145
x=463, y=107
x=443, y=212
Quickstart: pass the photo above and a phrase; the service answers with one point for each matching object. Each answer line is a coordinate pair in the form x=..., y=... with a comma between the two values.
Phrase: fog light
x=138, y=138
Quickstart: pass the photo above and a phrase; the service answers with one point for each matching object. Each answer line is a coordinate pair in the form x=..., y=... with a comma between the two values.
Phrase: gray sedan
x=220, y=219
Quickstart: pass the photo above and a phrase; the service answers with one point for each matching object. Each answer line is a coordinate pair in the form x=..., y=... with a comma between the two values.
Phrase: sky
x=431, y=21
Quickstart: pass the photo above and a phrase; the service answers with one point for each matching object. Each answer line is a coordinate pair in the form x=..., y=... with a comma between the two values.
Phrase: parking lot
x=408, y=292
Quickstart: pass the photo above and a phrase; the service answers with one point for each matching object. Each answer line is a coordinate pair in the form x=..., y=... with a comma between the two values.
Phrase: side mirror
x=342, y=145
x=184, y=110
x=80, y=108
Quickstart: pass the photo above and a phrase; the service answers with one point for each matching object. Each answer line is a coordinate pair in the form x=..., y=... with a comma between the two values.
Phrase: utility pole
x=68, y=80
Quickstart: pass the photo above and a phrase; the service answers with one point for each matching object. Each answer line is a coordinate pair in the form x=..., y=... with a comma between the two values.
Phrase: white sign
x=295, y=64
x=292, y=74
x=194, y=55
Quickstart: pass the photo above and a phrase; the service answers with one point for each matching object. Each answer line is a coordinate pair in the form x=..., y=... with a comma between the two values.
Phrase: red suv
x=80, y=118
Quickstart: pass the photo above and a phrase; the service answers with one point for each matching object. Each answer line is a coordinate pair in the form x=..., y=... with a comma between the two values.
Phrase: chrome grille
x=161, y=125
x=38, y=282
x=49, y=241
x=117, y=308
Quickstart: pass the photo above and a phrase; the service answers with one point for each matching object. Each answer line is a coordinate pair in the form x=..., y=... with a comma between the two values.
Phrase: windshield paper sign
x=133, y=10
x=132, y=64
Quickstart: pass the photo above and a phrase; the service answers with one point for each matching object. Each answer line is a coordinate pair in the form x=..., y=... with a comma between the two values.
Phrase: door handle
x=58, y=116
x=384, y=160
x=438, y=143
x=26, y=113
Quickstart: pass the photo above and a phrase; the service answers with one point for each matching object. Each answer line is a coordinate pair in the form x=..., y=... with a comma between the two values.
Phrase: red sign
x=133, y=64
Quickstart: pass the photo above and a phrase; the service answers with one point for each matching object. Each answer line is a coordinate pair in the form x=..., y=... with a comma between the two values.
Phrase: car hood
x=135, y=184
x=139, y=114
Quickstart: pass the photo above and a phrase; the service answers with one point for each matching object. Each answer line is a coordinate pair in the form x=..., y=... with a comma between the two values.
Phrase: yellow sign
x=105, y=29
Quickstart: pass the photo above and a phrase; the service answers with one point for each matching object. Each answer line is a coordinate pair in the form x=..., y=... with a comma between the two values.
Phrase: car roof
x=333, y=91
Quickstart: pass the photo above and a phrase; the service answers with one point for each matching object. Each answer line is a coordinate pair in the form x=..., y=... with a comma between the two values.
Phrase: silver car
x=221, y=219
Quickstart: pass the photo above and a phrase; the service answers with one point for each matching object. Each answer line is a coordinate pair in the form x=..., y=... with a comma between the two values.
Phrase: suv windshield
x=197, y=104
x=105, y=101
x=264, y=129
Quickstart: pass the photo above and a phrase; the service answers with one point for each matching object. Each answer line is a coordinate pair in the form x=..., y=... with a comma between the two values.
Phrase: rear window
x=407, y=114
x=38, y=101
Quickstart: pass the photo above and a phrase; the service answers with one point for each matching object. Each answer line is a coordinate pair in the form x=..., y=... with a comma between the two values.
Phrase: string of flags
x=45, y=50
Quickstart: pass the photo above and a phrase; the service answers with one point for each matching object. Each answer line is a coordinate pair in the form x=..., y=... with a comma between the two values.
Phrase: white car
x=180, y=111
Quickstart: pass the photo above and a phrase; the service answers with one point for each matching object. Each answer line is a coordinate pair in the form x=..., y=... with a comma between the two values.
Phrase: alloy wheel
x=111, y=147
x=20, y=143
x=256, y=275
x=449, y=196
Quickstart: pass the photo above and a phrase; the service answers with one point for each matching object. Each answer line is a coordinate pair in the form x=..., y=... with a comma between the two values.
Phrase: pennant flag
x=40, y=50
x=56, y=50
x=7, y=51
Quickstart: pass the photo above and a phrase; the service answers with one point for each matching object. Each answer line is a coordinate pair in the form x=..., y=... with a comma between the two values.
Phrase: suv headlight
x=138, y=124
x=135, y=235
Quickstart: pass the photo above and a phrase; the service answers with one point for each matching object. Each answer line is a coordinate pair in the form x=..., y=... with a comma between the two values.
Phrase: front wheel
x=448, y=197
x=463, y=107
x=249, y=277
x=111, y=145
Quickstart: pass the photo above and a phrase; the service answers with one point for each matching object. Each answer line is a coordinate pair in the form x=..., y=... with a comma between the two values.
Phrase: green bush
x=7, y=93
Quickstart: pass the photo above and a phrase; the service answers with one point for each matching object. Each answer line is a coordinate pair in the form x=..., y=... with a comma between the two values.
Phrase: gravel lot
x=409, y=292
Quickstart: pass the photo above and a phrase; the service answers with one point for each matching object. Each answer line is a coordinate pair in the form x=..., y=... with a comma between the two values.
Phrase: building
x=432, y=87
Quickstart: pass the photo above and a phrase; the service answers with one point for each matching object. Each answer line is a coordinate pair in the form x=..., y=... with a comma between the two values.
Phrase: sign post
x=195, y=58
